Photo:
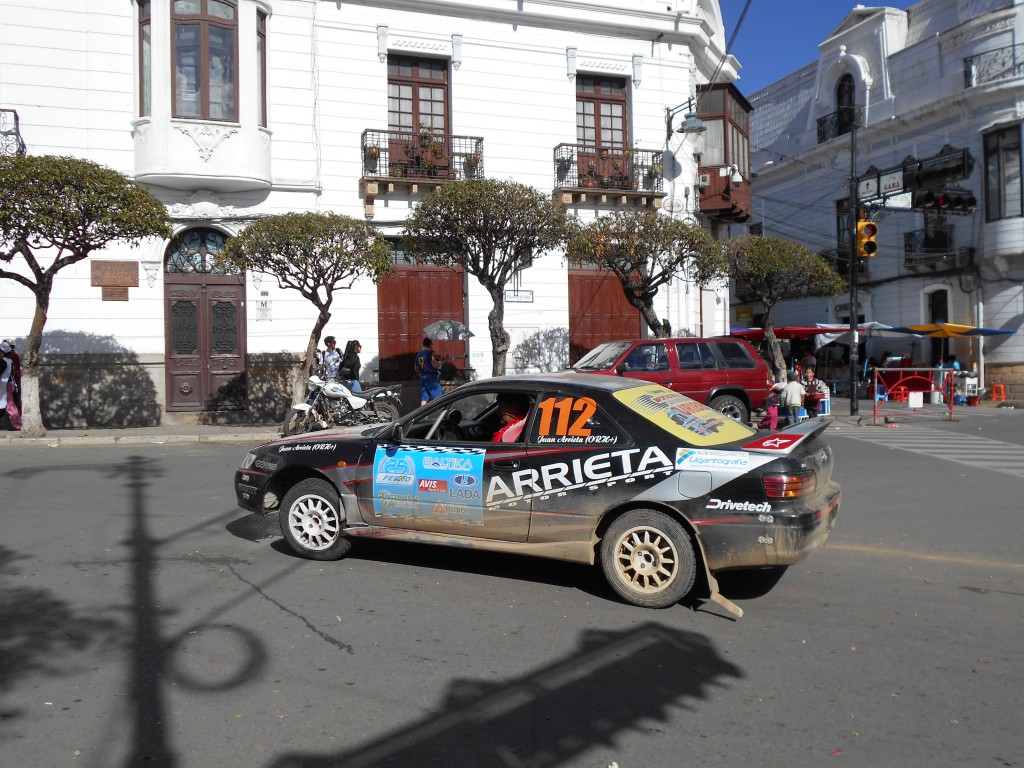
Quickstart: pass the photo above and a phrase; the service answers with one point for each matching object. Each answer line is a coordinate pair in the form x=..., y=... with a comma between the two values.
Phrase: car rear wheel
x=311, y=521
x=731, y=406
x=648, y=559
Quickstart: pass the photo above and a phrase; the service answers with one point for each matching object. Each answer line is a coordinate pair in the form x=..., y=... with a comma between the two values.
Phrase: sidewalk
x=254, y=435
x=158, y=435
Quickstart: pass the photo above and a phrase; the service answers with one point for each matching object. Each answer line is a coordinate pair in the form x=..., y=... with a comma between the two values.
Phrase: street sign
x=891, y=183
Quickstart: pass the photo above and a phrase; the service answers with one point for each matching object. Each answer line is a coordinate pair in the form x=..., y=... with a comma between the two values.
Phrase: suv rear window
x=735, y=355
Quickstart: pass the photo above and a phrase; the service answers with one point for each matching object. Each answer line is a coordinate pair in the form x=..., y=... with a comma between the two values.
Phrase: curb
x=16, y=441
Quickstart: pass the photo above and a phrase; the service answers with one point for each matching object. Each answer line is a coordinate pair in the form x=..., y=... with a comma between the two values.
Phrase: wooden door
x=598, y=311
x=204, y=321
x=407, y=301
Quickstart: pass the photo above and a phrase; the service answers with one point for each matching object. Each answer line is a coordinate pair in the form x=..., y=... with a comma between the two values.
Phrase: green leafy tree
x=772, y=270
x=492, y=229
x=315, y=254
x=646, y=250
x=54, y=212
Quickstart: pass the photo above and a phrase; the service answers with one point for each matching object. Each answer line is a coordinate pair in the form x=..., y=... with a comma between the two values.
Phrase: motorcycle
x=332, y=404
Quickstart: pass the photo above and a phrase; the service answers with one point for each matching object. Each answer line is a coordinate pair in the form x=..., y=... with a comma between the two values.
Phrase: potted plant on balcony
x=471, y=162
x=372, y=153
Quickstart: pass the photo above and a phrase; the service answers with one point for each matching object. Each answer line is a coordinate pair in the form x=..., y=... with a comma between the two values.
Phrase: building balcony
x=586, y=174
x=839, y=123
x=202, y=154
x=11, y=143
x=397, y=162
x=721, y=199
x=930, y=248
x=992, y=66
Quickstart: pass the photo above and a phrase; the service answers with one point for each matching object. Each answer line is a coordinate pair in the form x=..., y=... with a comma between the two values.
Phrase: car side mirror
x=397, y=433
x=621, y=368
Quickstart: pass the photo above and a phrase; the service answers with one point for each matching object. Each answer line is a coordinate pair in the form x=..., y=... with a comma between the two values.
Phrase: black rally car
x=658, y=488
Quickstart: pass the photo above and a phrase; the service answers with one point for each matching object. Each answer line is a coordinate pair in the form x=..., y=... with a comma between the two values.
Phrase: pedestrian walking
x=15, y=358
x=8, y=408
x=428, y=367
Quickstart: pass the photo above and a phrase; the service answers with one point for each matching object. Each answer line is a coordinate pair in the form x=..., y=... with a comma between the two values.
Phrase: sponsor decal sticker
x=597, y=469
x=432, y=486
x=739, y=506
x=412, y=481
x=688, y=420
x=702, y=458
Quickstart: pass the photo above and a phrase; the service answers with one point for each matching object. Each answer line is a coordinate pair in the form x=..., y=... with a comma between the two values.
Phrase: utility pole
x=854, y=262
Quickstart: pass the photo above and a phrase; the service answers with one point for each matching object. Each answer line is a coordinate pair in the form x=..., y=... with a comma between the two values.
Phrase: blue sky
x=780, y=36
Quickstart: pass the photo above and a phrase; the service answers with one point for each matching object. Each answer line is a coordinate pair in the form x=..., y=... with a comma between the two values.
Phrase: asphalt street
x=149, y=621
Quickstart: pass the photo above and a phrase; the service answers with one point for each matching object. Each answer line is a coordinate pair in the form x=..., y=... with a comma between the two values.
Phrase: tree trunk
x=309, y=361
x=661, y=330
x=500, y=339
x=31, y=412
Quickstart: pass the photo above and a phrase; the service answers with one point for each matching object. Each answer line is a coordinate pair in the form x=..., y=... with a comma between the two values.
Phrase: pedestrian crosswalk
x=973, y=451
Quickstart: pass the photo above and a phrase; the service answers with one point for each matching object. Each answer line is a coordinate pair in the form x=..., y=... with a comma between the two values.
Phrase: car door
x=451, y=480
x=696, y=375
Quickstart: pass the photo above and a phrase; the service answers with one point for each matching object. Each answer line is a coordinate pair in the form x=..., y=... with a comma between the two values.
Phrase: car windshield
x=603, y=357
x=693, y=423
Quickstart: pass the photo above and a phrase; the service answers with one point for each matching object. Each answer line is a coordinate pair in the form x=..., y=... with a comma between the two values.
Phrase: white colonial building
x=229, y=110
x=938, y=91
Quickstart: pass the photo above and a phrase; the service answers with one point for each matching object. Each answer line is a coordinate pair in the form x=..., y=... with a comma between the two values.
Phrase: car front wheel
x=648, y=559
x=731, y=406
x=311, y=521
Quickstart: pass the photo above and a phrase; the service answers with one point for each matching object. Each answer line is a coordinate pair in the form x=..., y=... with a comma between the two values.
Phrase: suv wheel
x=731, y=406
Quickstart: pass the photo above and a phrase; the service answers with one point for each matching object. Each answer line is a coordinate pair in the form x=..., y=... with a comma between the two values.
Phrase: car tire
x=311, y=521
x=731, y=406
x=648, y=559
x=298, y=422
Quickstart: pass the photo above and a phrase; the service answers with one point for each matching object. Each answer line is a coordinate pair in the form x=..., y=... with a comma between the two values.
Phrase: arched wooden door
x=204, y=327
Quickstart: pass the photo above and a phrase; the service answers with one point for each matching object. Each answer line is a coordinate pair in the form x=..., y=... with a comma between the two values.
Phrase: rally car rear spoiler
x=784, y=441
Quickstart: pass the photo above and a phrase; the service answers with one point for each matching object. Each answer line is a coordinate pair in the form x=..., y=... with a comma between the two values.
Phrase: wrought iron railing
x=584, y=166
x=11, y=142
x=839, y=123
x=929, y=245
x=421, y=155
x=990, y=66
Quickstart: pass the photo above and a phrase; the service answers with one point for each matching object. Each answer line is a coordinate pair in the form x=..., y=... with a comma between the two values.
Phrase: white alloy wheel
x=311, y=521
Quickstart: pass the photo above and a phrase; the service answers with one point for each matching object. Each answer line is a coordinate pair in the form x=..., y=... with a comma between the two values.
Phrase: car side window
x=689, y=356
x=647, y=357
x=568, y=420
x=735, y=355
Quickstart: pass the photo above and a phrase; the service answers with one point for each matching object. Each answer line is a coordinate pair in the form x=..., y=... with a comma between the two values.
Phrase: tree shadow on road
x=612, y=683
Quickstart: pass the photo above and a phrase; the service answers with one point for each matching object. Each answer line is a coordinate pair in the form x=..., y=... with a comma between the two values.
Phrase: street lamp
x=691, y=127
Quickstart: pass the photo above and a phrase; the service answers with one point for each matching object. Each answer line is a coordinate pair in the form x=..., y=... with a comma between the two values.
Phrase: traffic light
x=945, y=201
x=867, y=231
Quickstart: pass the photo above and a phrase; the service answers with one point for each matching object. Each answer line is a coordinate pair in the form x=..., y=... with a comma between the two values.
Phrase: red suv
x=726, y=373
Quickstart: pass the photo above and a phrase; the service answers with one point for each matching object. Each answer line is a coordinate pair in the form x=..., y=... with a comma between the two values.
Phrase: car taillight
x=781, y=486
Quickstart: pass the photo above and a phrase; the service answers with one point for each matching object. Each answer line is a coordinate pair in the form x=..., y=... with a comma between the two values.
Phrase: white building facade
x=230, y=110
x=927, y=83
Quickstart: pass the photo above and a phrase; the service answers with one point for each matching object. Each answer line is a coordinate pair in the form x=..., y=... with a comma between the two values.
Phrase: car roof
x=559, y=379
x=675, y=339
